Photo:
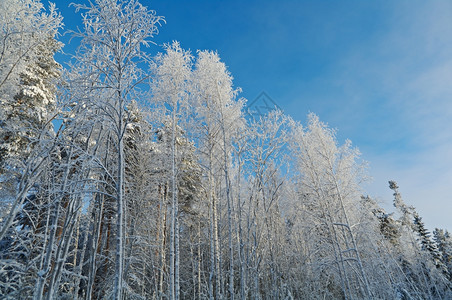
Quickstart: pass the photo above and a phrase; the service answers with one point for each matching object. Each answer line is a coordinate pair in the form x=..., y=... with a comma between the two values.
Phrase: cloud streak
x=409, y=69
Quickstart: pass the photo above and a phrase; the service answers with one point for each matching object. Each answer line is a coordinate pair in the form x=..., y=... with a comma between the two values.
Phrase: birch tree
x=329, y=179
x=173, y=77
x=218, y=114
x=268, y=137
x=111, y=56
x=154, y=186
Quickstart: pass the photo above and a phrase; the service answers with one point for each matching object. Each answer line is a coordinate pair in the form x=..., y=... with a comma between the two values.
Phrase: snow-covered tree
x=27, y=97
x=218, y=115
x=110, y=63
x=267, y=138
x=154, y=185
x=171, y=87
x=329, y=178
x=419, y=256
x=28, y=74
x=25, y=28
x=426, y=242
x=443, y=241
x=29, y=112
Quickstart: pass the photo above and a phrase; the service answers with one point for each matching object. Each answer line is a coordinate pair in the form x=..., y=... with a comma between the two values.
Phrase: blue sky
x=378, y=71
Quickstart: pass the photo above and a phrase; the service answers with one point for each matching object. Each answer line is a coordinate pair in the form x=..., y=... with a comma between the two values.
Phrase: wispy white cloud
x=409, y=68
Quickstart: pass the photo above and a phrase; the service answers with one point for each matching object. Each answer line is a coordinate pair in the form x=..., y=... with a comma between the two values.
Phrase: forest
x=135, y=175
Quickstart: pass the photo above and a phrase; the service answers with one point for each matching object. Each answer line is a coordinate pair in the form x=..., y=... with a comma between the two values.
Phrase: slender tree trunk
x=217, y=250
x=119, y=267
x=229, y=204
x=45, y=269
x=41, y=279
x=77, y=263
x=212, y=276
x=163, y=209
x=174, y=236
x=199, y=259
x=240, y=234
x=177, y=258
x=63, y=247
x=130, y=245
x=97, y=223
x=42, y=275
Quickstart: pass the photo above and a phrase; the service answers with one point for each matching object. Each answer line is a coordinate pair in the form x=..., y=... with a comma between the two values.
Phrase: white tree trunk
x=119, y=264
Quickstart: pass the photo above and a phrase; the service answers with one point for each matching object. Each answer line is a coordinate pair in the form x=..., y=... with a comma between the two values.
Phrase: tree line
x=130, y=175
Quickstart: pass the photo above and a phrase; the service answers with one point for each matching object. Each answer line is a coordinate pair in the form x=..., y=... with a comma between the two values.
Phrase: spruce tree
x=388, y=226
x=27, y=90
x=426, y=242
x=25, y=126
x=443, y=241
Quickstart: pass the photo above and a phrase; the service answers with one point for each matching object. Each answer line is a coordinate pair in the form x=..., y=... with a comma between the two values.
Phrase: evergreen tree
x=27, y=96
x=28, y=74
x=426, y=242
x=30, y=112
x=443, y=242
x=420, y=258
x=388, y=226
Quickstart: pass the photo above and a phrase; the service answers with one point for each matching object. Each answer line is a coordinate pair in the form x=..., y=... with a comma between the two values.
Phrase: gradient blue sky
x=378, y=71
